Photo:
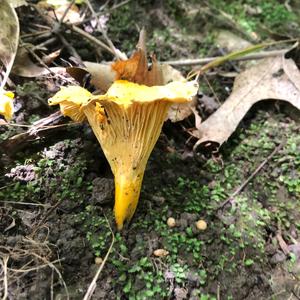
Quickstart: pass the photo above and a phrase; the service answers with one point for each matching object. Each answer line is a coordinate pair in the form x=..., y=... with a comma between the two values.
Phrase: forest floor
x=56, y=192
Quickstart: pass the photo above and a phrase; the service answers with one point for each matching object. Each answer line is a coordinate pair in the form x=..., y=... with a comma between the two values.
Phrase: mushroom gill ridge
x=127, y=136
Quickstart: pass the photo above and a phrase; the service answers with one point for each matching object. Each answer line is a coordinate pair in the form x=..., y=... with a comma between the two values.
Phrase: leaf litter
x=274, y=78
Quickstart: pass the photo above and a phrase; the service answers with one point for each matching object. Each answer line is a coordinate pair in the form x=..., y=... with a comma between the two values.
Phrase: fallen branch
x=17, y=142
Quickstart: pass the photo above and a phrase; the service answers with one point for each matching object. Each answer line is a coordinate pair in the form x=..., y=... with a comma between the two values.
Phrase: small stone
x=103, y=190
x=160, y=252
x=158, y=199
x=180, y=293
x=171, y=222
x=183, y=223
x=277, y=258
x=201, y=225
x=98, y=260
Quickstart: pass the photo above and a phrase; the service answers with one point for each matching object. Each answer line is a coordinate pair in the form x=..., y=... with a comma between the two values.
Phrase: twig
x=36, y=268
x=212, y=90
x=42, y=126
x=108, y=40
x=5, y=282
x=102, y=12
x=245, y=183
x=25, y=203
x=93, y=284
x=57, y=30
x=48, y=213
x=65, y=12
x=45, y=43
x=70, y=48
x=32, y=34
x=205, y=60
x=90, y=38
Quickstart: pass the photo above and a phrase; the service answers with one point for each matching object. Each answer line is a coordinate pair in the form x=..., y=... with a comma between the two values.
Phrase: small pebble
x=160, y=252
x=201, y=225
x=98, y=260
x=171, y=222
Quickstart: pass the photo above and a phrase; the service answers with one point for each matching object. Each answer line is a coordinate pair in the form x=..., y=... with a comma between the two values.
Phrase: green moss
x=265, y=14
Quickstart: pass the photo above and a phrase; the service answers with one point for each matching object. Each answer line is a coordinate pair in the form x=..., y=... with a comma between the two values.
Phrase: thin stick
x=4, y=266
x=66, y=11
x=245, y=183
x=93, y=284
x=36, y=268
x=91, y=38
x=102, y=12
x=99, y=26
x=205, y=60
x=70, y=48
x=74, y=28
x=46, y=43
x=25, y=203
x=32, y=34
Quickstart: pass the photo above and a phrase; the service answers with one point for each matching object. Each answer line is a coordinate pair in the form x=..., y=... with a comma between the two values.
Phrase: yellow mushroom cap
x=126, y=93
x=127, y=122
x=70, y=100
x=6, y=104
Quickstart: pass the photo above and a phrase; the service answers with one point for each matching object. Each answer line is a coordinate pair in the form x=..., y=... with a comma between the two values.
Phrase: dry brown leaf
x=178, y=112
x=9, y=37
x=275, y=78
x=102, y=75
x=136, y=69
x=25, y=67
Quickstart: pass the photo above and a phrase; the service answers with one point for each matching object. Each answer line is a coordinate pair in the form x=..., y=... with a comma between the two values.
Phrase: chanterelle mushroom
x=127, y=121
x=6, y=105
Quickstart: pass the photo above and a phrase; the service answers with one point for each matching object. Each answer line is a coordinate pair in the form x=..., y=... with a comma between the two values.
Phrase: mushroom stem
x=127, y=192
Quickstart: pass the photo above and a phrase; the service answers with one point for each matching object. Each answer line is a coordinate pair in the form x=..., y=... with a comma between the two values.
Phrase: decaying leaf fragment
x=25, y=67
x=275, y=78
x=9, y=37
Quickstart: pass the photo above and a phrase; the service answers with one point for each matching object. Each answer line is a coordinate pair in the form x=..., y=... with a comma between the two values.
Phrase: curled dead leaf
x=25, y=67
x=9, y=35
x=275, y=78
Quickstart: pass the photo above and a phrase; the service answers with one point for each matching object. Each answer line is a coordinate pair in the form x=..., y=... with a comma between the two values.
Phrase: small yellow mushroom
x=171, y=222
x=6, y=104
x=160, y=252
x=71, y=99
x=201, y=225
